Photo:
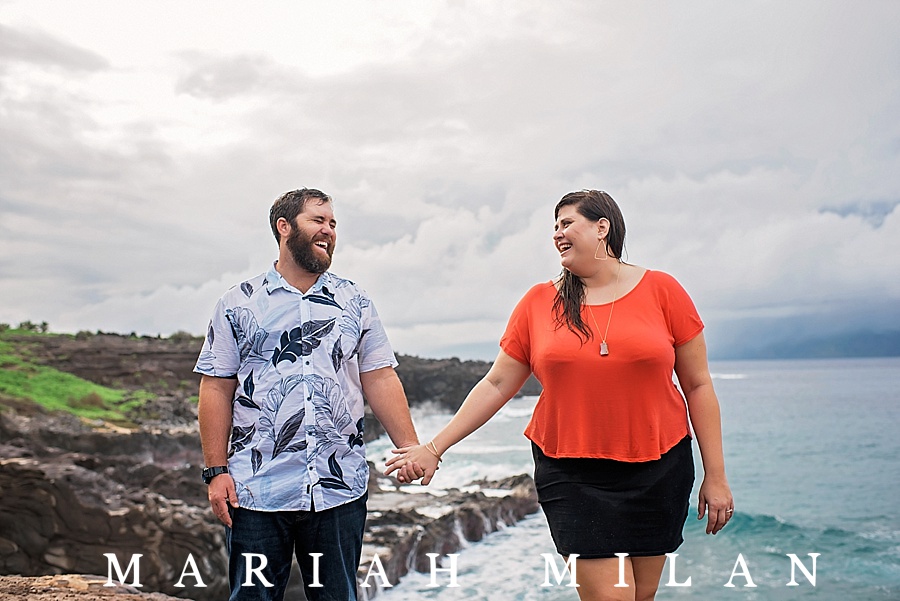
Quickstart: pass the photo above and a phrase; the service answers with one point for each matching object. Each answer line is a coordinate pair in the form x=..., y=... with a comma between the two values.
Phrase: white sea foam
x=496, y=493
x=431, y=511
x=716, y=376
x=495, y=451
x=486, y=449
x=506, y=565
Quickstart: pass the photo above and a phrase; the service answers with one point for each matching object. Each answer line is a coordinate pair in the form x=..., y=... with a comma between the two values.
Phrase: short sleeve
x=375, y=350
x=516, y=340
x=219, y=356
x=681, y=314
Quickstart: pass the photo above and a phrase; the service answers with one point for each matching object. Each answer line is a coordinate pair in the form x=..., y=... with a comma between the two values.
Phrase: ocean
x=811, y=450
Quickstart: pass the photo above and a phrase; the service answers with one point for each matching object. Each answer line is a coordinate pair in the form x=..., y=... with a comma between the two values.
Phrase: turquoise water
x=812, y=457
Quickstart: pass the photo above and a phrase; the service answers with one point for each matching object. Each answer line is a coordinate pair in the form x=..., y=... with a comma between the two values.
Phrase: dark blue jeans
x=336, y=533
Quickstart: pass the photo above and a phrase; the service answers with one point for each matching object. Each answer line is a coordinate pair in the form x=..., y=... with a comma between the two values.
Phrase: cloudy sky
x=754, y=148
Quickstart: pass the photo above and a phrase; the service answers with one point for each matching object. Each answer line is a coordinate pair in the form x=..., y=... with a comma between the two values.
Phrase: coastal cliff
x=164, y=366
x=73, y=489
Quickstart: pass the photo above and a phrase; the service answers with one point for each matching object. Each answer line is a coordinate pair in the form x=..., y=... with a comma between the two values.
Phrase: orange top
x=623, y=406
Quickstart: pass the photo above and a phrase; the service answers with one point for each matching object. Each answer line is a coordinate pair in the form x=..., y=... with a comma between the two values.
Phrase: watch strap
x=209, y=473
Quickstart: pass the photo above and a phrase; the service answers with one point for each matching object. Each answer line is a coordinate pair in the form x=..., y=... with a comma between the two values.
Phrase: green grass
x=55, y=390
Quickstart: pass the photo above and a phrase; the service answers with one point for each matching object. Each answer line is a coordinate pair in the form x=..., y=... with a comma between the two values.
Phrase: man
x=288, y=357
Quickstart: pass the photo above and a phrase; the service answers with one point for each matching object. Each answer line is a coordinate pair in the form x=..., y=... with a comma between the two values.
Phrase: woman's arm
x=692, y=370
x=502, y=381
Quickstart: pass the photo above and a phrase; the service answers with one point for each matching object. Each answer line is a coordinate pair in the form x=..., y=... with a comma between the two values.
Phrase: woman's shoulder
x=539, y=294
x=665, y=285
x=541, y=289
x=661, y=278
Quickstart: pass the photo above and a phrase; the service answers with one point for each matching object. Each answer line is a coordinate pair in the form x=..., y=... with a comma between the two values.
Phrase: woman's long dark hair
x=570, y=293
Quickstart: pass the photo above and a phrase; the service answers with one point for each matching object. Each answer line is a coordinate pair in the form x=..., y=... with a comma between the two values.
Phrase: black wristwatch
x=209, y=473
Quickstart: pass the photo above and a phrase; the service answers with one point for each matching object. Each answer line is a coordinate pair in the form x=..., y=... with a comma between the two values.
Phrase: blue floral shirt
x=297, y=414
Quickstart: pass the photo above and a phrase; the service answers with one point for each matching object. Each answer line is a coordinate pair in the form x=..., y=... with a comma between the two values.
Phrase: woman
x=610, y=433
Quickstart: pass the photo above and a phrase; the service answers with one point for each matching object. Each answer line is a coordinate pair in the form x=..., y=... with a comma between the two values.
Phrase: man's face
x=312, y=237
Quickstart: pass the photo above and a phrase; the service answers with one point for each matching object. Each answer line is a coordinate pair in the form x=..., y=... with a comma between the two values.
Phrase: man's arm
x=214, y=413
x=384, y=392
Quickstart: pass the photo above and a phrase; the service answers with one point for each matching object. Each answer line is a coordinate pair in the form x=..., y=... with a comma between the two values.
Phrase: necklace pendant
x=604, y=349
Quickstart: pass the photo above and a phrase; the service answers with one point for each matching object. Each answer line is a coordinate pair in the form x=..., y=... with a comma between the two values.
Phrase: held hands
x=414, y=462
x=715, y=497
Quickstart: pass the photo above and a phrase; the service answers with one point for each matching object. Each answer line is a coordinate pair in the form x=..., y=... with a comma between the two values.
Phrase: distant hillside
x=849, y=344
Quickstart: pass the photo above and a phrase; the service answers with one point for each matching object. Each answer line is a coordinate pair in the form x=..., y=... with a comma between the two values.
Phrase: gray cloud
x=221, y=78
x=872, y=212
x=733, y=161
x=39, y=48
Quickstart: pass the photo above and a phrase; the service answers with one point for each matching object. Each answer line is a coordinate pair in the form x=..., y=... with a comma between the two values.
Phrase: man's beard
x=301, y=247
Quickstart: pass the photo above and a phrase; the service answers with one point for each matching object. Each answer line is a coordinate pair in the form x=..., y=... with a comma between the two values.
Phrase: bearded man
x=288, y=359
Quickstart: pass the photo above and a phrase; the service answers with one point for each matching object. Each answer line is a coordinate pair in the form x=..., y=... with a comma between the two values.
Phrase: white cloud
x=745, y=143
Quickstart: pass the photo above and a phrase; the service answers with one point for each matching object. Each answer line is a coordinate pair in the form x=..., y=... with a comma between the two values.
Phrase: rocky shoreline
x=71, y=491
x=71, y=587
x=79, y=492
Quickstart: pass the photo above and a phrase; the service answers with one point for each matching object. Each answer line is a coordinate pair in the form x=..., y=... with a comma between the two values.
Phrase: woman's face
x=576, y=238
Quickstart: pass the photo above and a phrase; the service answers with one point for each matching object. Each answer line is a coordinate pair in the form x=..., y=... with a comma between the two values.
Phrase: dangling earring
x=606, y=254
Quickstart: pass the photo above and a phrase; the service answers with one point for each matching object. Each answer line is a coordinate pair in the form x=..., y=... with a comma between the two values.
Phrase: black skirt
x=599, y=507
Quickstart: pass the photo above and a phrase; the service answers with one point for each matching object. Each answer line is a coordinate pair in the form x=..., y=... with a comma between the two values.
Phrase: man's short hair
x=290, y=204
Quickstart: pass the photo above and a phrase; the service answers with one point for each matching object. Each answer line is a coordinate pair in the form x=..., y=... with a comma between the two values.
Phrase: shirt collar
x=274, y=281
